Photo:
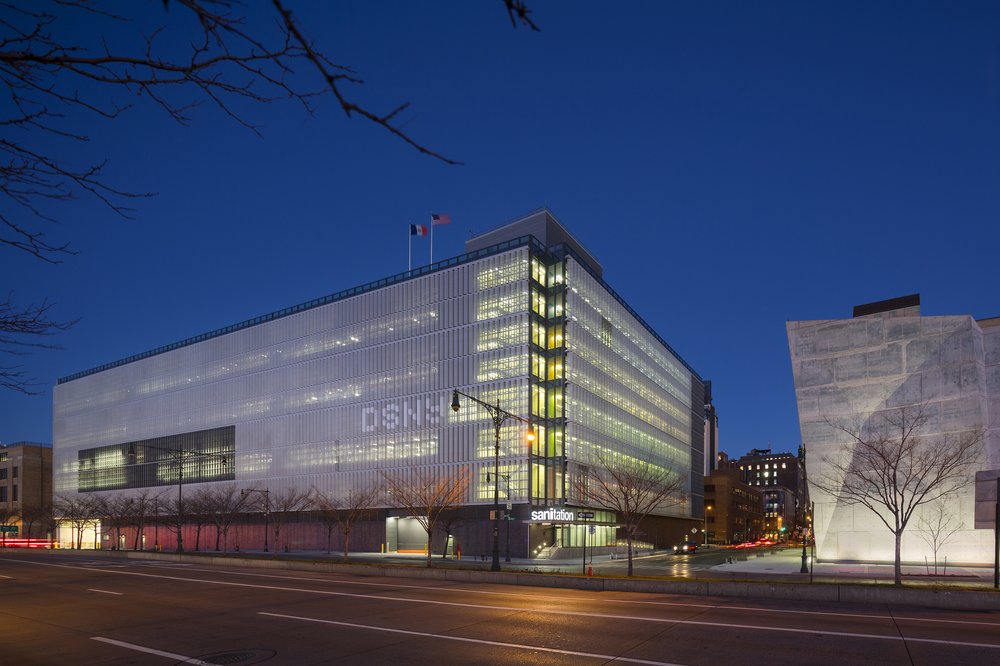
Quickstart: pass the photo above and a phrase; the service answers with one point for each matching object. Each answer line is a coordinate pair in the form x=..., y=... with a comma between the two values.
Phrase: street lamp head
x=454, y=401
x=531, y=433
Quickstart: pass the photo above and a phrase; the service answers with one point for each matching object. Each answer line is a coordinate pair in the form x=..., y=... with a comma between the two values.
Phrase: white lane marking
x=545, y=611
x=445, y=637
x=160, y=653
x=449, y=588
x=118, y=594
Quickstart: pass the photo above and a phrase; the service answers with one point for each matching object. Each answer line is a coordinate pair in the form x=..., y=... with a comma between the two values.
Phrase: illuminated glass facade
x=333, y=393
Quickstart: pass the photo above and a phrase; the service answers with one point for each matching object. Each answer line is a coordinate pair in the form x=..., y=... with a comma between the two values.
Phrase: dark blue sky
x=732, y=165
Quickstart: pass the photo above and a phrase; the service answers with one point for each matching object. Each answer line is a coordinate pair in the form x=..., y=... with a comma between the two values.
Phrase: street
x=61, y=608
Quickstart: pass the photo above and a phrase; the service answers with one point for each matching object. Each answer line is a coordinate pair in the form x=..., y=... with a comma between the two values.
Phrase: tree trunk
x=347, y=540
x=898, y=568
x=428, y=548
x=628, y=541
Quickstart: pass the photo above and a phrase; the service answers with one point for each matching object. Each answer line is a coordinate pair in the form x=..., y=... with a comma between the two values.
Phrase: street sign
x=510, y=505
x=592, y=529
x=584, y=514
x=9, y=529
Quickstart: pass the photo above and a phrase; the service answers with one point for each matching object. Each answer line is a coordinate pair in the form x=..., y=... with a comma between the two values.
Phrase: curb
x=947, y=599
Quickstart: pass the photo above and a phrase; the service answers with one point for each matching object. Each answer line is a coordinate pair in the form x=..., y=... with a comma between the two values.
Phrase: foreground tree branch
x=23, y=328
x=56, y=80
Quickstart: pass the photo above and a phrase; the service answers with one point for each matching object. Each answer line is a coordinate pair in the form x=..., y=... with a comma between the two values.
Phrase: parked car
x=685, y=547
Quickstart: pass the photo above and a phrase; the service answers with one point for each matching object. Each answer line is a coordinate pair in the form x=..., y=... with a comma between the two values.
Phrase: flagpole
x=409, y=248
x=432, y=238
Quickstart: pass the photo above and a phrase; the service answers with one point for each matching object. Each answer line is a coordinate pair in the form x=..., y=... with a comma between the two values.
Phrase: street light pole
x=499, y=417
x=506, y=478
x=812, y=535
x=805, y=557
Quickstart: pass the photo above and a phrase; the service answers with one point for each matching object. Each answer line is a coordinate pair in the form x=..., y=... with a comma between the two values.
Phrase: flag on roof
x=440, y=218
x=418, y=230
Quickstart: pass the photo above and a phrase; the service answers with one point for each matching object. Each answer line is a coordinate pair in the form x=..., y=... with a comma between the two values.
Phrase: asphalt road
x=67, y=609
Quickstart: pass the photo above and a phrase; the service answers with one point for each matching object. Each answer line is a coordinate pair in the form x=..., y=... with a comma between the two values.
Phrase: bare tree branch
x=891, y=467
x=630, y=487
x=426, y=494
x=518, y=10
x=21, y=330
x=344, y=511
x=55, y=79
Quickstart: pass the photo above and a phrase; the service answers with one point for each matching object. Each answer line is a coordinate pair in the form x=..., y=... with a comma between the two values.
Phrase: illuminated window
x=500, y=275
x=555, y=337
x=538, y=302
x=490, y=308
x=538, y=334
x=606, y=331
x=538, y=271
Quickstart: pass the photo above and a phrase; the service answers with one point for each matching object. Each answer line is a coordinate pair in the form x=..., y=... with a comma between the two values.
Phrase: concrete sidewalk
x=786, y=564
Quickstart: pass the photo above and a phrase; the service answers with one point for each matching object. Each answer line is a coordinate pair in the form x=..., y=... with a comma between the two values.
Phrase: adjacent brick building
x=25, y=486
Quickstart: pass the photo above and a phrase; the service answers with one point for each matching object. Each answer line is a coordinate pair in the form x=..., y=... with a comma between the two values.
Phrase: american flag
x=440, y=218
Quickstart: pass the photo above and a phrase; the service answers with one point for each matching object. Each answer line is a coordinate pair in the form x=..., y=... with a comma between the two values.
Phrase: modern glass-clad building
x=334, y=393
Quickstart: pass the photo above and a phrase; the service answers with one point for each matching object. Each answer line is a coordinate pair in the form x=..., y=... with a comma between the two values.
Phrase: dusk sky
x=732, y=165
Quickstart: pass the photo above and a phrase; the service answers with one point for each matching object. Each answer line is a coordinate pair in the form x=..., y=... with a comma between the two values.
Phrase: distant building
x=780, y=515
x=25, y=486
x=711, y=431
x=770, y=472
x=887, y=357
x=734, y=510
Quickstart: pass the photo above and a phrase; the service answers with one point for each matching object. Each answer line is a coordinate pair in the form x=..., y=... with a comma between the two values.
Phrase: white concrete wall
x=848, y=370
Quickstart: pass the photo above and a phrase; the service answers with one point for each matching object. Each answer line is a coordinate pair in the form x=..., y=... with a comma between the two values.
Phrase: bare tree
x=425, y=494
x=7, y=517
x=119, y=512
x=195, y=511
x=283, y=504
x=892, y=467
x=937, y=527
x=222, y=503
x=630, y=487
x=344, y=512
x=147, y=504
x=81, y=512
x=171, y=514
x=34, y=514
